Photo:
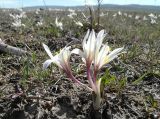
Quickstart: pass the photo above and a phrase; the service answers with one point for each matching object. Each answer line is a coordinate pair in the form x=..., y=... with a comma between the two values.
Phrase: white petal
x=65, y=57
x=98, y=58
x=115, y=52
x=92, y=41
x=100, y=34
x=102, y=54
x=47, y=63
x=48, y=51
x=58, y=61
x=55, y=60
x=99, y=39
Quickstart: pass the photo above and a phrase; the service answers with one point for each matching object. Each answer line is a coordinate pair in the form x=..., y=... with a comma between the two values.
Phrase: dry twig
x=12, y=50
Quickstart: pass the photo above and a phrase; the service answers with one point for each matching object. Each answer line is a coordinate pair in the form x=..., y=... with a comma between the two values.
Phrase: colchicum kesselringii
x=95, y=55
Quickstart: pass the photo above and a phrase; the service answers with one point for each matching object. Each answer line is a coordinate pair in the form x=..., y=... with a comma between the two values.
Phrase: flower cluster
x=58, y=24
x=95, y=55
x=18, y=18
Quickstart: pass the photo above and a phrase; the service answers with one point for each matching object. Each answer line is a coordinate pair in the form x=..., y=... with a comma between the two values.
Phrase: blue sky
x=23, y=3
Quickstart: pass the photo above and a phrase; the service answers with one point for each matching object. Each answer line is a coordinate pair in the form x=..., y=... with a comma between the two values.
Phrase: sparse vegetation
x=133, y=80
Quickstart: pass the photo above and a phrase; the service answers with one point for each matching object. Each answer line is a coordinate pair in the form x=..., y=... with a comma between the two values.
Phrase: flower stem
x=70, y=75
x=96, y=97
x=95, y=76
x=89, y=77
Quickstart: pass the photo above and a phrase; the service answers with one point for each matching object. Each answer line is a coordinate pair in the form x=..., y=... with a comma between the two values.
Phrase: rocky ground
x=29, y=92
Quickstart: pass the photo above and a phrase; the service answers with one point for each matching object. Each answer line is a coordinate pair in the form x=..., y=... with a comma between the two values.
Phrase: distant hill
x=131, y=7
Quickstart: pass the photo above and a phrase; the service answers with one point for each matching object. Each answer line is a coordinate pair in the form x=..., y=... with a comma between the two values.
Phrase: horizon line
x=76, y=5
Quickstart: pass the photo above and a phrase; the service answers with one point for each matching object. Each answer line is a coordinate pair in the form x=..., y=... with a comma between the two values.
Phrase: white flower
x=23, y=15
x=98, y=54
x=119, y=13
x=37, y=11
x=152, y=16
x=59, y=24
x=39, y=23
x=78, y=23
x=95, y=52
x=18, y=16
x=88, y=47
x=18, y=23
x=61, y=59
x=104, y=56
x=13, y=16
x=145, y=18
x=130, y=16
x=137, y=17
x=114, y=15
x=153, y=21
x=71, y=15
